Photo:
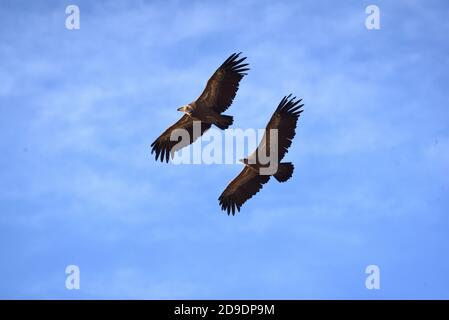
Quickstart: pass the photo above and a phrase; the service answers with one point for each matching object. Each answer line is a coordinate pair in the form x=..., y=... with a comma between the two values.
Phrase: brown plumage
x=250, y=181
x=218, y=95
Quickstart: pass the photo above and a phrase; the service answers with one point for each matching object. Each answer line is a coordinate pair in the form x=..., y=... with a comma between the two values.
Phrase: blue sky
x=80, y=108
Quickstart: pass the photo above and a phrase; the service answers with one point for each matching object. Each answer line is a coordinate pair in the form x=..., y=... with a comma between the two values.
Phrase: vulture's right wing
x=164, y=146
x=243, y=187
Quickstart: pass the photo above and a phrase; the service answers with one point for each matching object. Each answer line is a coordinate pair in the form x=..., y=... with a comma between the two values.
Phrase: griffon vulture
x=218, y=95
x=250, y=180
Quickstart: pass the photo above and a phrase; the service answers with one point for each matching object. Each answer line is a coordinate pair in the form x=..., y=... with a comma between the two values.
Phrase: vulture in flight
x=205, y=111
x=250, y=180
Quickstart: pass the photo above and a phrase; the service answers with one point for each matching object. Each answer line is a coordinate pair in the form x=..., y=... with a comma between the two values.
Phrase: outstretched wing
x=164, y=146
x=243, y=187
x=284, y=120
x=222, y=87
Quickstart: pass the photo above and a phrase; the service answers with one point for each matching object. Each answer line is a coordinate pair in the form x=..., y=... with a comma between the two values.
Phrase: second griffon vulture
x=218, y=95
x=250, y=180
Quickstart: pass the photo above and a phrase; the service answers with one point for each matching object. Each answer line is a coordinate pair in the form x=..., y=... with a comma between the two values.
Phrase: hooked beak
x=181, y=109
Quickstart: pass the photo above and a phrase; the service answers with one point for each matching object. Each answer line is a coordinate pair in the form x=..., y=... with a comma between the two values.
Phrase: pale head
x=187, y=109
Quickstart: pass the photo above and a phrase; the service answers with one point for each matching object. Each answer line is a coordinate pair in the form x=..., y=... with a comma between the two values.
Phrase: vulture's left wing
x=284, y=120
x=222, y=87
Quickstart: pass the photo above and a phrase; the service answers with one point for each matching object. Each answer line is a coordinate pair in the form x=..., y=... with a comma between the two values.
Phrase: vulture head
x=187, y=109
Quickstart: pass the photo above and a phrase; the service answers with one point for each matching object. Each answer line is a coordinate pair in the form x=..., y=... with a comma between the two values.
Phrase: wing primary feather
x=167, y=153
